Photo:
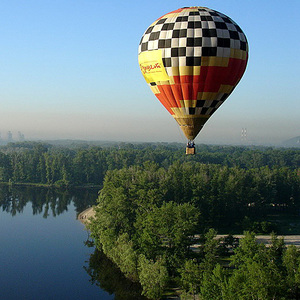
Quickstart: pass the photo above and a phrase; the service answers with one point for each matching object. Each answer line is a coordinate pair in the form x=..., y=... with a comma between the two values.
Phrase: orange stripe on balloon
x=167, y=89
x=177, y=92
x=186, y=90
x=161, y=97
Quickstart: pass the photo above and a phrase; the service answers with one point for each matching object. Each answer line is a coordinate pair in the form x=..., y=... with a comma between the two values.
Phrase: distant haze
x=152, y=128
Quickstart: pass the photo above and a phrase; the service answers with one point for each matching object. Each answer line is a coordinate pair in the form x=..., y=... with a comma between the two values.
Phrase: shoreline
x=84, y=216
x=53, y=185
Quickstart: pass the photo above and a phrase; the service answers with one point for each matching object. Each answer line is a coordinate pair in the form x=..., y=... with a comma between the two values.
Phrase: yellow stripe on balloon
x=152, y=66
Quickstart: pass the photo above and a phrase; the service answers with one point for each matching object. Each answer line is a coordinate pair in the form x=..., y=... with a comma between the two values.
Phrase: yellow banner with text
x=152, y=66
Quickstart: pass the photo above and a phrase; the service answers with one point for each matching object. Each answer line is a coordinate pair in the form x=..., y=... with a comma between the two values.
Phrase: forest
x=86, y=164
x=158, y=212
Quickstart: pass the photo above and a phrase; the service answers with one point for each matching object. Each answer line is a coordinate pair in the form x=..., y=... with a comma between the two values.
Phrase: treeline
x=228, y=197
x=41, y=163
x=147, y=216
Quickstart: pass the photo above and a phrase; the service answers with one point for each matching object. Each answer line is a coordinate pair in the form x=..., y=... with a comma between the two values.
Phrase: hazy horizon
x=247, y=140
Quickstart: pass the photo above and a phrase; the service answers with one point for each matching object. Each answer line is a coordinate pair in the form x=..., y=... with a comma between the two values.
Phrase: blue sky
x=69, y=70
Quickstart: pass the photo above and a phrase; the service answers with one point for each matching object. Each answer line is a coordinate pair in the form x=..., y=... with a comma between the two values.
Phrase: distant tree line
x=32, y=162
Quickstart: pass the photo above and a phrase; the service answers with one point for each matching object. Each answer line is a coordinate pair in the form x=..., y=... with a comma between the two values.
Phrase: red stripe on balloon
x=210, y=80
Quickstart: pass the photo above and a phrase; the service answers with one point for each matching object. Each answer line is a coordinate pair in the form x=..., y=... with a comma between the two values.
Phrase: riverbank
x=85, y=215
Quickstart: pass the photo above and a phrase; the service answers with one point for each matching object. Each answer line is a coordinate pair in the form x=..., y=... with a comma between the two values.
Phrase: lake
x=44, y=252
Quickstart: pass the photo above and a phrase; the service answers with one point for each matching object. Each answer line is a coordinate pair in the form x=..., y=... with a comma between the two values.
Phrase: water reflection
x=66, y=247
x=108, y=277
x=45, y=201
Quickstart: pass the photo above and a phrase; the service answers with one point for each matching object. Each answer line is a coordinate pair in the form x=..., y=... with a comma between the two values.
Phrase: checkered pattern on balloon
x=192, y=59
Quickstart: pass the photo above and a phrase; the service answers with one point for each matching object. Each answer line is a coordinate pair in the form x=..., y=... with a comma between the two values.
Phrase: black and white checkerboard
x=188, y=36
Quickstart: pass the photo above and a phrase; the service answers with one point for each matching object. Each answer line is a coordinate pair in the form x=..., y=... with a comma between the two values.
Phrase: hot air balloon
x=192, y=58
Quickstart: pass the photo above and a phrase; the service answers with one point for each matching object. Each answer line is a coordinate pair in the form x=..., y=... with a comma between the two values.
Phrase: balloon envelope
x=192, y=58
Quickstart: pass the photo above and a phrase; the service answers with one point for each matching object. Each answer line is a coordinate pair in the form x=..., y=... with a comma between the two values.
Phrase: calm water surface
x=42, y=246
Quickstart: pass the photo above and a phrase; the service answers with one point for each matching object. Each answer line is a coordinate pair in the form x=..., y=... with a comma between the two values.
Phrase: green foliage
x=228, y=244
x=125, y=257
x=155, y=199
x=210, y=251
x=256, y=279
x=249, y=249
x=153, y=277
x=167, y=228
x=190, y=276
x=291, y=263
x=276, y=249
x=257, y=273
x=214, y=285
